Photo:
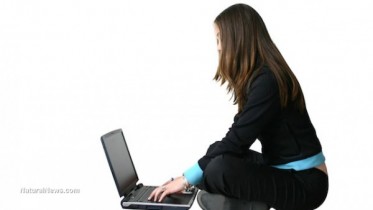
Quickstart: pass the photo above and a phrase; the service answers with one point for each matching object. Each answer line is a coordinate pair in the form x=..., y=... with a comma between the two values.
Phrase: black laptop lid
x=120, y=161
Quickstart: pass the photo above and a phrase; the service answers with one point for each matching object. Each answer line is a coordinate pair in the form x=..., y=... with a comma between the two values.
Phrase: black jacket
x=286, y=134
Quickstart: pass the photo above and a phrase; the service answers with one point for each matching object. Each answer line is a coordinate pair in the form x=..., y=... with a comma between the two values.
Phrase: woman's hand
x=170, y=187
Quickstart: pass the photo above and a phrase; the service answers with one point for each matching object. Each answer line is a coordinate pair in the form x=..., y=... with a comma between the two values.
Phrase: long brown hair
x=246, y=47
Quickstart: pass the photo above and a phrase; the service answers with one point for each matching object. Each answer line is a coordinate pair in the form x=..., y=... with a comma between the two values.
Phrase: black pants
x=249, y=179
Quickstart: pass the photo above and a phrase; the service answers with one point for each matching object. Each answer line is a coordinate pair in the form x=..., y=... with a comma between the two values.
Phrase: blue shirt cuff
x=194, y=174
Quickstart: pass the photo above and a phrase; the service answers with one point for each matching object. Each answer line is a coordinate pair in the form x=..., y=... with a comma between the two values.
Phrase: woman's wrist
x=185, y=182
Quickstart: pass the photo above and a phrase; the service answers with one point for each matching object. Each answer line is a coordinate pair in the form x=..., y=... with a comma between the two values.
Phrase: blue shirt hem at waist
x=304, y=164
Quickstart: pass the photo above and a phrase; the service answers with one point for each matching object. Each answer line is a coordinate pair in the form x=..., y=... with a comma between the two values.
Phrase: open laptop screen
x=120, y=161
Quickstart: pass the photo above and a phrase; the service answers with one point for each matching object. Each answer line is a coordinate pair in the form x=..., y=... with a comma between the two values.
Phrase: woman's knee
x=218, y=172
x=214, y=167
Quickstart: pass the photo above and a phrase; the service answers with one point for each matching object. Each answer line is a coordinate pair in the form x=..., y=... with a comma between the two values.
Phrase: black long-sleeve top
x=286, y=134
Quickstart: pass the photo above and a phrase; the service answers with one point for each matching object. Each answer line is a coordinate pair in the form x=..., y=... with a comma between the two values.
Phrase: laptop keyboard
x=144, y=194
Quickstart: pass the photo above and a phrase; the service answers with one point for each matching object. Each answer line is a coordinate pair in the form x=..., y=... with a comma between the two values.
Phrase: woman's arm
x=261, y=107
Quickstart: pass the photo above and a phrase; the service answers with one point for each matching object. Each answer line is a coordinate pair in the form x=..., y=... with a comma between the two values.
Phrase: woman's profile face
x=218, y=40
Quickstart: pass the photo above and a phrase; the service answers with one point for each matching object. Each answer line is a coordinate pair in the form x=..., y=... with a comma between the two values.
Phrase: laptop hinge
x=125, y=196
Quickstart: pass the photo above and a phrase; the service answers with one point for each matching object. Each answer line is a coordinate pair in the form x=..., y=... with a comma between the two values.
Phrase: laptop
x=135, y=195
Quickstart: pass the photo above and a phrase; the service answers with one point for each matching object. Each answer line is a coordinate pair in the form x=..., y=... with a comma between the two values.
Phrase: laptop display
x=121, y=164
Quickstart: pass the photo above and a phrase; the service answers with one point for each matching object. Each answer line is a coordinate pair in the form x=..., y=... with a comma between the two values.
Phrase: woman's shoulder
x=263, y=84
x=263, y=76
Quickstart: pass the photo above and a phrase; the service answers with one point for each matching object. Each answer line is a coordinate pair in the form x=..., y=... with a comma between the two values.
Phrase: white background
x=73, y=70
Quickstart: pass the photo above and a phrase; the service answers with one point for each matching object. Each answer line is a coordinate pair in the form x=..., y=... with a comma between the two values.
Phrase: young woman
x=290, y=173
